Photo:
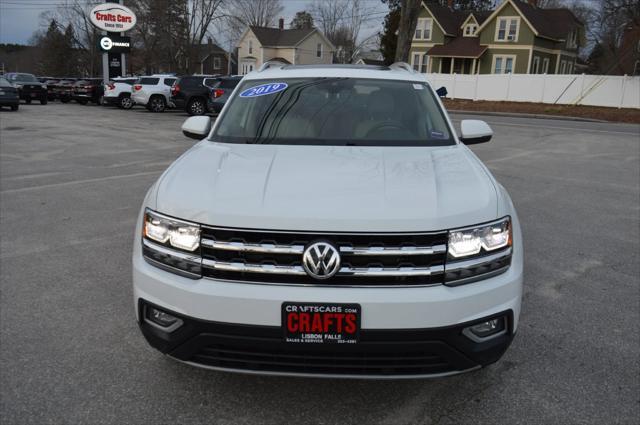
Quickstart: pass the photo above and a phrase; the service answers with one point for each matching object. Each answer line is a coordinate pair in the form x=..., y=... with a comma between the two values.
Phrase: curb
x=522, y=115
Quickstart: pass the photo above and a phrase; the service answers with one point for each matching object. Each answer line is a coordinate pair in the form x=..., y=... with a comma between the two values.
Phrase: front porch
x=460, y=56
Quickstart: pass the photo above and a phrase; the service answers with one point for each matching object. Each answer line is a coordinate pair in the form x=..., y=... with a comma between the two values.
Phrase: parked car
x=331, y=223
x=29, y=88
x=63, y=90
x=220, y=92
x=191, y=93
x=88, y=90
x=154, y=92
x=9, y=95
x=51, y=83
x=118, y=92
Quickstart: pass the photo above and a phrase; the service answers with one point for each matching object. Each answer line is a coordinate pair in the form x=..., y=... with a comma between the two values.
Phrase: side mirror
x=474, y=132
x=442, y=91
x=196, y=127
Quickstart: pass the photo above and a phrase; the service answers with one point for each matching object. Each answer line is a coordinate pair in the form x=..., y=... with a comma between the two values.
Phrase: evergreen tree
x=389, y=36
x=302, y=20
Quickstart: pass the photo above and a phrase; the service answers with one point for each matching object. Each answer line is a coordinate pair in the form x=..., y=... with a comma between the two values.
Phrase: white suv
x=118, y=93
x=331, y=223
x=154, y=92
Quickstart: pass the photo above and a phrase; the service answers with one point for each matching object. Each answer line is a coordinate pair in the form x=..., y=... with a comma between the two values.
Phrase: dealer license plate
x=317, y=323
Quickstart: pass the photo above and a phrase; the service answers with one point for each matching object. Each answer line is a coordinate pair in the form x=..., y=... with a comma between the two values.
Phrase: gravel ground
x=72, y=179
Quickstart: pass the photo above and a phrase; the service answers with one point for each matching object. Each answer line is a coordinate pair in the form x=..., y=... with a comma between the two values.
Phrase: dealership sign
x=115, y=44
x=113, y=17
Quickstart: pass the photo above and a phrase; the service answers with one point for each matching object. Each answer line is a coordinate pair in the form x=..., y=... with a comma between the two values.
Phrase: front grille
x=385, y=259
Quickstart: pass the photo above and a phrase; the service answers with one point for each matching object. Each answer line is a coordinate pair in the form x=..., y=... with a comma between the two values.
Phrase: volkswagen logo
x=321, y=260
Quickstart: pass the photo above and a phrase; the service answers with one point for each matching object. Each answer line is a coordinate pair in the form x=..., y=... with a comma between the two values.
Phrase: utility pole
x=409, y=11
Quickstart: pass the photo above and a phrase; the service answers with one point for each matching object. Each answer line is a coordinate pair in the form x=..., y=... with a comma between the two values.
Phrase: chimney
x=450, y=4
x=210, y=40
x=533, y=3
x=281, y=23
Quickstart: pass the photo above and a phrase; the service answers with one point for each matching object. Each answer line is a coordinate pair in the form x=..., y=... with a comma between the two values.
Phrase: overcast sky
x=20, y=18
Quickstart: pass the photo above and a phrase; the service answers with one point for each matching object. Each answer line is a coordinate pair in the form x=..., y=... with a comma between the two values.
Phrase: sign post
x=113, y=18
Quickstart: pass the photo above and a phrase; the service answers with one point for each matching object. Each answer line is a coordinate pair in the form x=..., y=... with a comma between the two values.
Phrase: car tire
x=82, y=102
x=44, y=101
x=14, y=107
x=125, y=102
x=196, y=106
x=100, y=101
x=157, y=104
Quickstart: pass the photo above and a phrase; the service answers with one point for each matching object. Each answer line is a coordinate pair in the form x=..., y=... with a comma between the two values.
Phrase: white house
x=296, y=46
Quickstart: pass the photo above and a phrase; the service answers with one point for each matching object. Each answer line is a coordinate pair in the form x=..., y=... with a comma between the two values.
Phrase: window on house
x=503, y=64
x=416, y=62
x=217, y=63
x=470, y=30
x=319, y=50
x=250, y=47
x=507, y=29
x=636, y=67
x=545, y=65
x=535, y=66
x=569, y=67
x=563, y=67
x=425, y=62
x=423, y=29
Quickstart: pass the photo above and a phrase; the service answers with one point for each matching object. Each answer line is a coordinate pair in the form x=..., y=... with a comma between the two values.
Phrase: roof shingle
x=282, y=38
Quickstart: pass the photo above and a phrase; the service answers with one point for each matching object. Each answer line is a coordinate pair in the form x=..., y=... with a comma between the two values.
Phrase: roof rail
x=271, y=63
x=401, y=65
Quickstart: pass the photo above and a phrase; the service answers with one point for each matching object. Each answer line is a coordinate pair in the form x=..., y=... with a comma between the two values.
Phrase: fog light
x=161, y=319
x=483, y=330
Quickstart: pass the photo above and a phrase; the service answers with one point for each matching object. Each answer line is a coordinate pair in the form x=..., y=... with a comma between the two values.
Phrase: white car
x=332, y=224
x=154, y=92
x=118, y=93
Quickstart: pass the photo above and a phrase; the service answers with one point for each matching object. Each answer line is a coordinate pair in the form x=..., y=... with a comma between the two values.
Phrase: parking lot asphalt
x=72, y=179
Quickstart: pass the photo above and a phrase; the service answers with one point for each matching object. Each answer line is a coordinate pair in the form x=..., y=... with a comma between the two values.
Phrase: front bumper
x=9, y=101
x=380, y=353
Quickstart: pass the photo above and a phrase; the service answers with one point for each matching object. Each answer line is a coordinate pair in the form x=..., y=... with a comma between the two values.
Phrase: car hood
x=328, y=188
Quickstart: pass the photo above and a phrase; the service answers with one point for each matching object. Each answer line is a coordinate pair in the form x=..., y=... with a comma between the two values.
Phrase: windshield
x=25, y=78
x=334, y=111
x=4, y=83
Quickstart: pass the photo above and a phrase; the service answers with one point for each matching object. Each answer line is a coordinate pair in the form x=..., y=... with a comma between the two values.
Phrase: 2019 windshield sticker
x=264, y=89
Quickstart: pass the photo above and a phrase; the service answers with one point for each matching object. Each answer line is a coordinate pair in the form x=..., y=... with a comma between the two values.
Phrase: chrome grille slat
x=261, y=248
x=254, y=268
x=344, y=271
x=399, y=251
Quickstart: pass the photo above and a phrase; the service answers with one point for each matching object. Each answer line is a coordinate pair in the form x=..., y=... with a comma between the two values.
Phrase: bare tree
x=341, y=22
x=259, y=13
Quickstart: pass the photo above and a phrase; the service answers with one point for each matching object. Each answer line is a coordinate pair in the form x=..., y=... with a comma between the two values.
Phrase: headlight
x=472, y=241
x=179, y=234
x=478, y=252
x=44, y=86
x=172, y=244
x=18, y=86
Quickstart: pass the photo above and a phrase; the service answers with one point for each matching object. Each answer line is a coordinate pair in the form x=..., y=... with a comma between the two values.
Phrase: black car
x=63, y=89
x=191, y=92
x=9, y=95
x=221, y=91
x=29, y=88
x=88, y=90
x=50, y=83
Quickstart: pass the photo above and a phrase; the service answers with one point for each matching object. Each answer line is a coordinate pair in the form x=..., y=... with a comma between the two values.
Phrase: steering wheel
x=386, y=126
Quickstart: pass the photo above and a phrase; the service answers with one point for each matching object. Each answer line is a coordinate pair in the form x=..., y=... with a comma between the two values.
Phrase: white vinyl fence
x=593, y=90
